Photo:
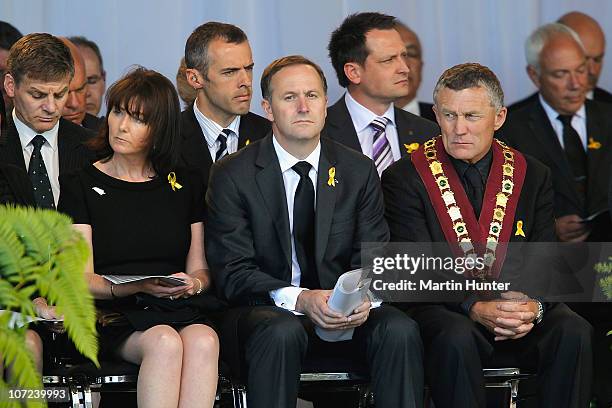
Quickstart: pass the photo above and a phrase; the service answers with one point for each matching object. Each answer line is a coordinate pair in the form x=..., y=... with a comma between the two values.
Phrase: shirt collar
x=26, y=134
x=483, y=165
x=362, y=117
x=552, y=114
x=287, y=160
x=212, y=129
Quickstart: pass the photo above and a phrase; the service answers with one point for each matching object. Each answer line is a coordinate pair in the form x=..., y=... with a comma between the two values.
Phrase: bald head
x=593, y=39
x=74, y=110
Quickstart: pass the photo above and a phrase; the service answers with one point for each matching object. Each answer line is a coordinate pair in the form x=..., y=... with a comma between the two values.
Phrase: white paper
x=351, y=290
x=121, y=279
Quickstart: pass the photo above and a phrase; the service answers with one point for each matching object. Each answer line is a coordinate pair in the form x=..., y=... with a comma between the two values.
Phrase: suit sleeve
x=229, y=243
x=403, y=206
x=371, y=224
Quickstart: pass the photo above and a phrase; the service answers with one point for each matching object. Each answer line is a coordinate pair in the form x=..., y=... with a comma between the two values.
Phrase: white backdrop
x=153, y=32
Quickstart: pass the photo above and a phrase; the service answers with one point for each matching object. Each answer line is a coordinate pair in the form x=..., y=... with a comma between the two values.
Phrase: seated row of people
x=287, y=214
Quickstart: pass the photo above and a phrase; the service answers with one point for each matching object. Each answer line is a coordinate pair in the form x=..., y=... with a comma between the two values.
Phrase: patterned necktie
x=576, y=156
x=381, y=150
x=222, y=139
x=303, y=227
x=39, y=177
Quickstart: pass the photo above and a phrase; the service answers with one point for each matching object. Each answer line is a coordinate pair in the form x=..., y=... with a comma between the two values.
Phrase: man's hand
x=569, y=228
x=509, y=318
x=313, y=303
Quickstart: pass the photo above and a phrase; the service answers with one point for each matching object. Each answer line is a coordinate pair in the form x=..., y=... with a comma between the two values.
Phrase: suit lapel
x=272, y=188
x=597, y=150
x=340, y=125
x=549, y=142
x=195, y=150
x=243, y=131
x=326, y=199
x=405, y=132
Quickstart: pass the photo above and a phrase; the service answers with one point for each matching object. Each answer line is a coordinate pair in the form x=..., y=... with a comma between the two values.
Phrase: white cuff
x=286, y=297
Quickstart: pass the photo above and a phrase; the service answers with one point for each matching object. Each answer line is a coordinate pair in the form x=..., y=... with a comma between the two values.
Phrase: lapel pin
x=332, y=174
x=98, y=190
x=519, y=229
x=411, y=147
x=247, y=142
x=173, y=183
x=593, y=144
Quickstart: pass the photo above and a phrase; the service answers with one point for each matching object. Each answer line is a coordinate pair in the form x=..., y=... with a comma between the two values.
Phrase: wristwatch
x=540, y=314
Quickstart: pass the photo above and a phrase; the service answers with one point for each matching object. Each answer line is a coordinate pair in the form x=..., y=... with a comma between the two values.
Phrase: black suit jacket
x=412, y=218
x=92, y=122
x=73, y=153
x=248, y=241
x=194, y=150
x=426, y=110
x=529, y=130
x=18, y=183
x=599, y=95
x=410, y=128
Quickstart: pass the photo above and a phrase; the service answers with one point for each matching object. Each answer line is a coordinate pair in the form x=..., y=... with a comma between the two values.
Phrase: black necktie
x=222, y=138
x=39, y=177
x=575, y=153
x=475, y=188
x=303, y=227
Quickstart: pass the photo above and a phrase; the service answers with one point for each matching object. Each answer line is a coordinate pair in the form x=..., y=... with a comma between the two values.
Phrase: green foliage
x=41, y=252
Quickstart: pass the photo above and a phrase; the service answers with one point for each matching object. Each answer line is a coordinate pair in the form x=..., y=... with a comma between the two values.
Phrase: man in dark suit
x=272, y=246
x=37, y=139
x=594, y=42
x=467, y=187
x=566, y=132
x=369, y=58
x=414, y=60
x=220, y=69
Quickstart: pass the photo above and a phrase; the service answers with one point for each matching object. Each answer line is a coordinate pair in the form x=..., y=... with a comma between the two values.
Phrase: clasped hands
x=160, y=289
x=510, y=317
x=313, y=303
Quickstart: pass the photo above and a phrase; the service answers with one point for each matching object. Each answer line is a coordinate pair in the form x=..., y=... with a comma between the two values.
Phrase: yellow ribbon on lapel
x=173, y=183
x=411, y=147
x=593, y=144
x=247, y=142
x=519, y=229
x=332, y=173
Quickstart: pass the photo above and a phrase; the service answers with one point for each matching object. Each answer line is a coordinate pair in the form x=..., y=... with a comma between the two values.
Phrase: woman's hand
x=44, y=310
x=156, y=287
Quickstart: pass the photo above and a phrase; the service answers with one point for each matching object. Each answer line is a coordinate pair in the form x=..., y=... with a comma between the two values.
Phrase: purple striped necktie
x=381, y=149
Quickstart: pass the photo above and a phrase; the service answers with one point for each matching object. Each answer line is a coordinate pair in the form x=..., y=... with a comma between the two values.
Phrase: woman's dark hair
x=150, y=97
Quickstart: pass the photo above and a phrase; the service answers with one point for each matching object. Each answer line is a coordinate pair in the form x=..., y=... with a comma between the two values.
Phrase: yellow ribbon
x=519, y=229
x=247, y=142
x=173, y=183
x=411, y=147
x=332, y=173
x=593, y=144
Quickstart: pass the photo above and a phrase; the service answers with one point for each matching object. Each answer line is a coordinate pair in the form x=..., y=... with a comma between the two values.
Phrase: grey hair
x=471, y=75
x=538, y=39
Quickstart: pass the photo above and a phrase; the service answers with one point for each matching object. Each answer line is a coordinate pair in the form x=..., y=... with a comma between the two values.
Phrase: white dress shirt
x=49, y=151
x=287, y=297
x=362, y=117
x=212, y=130
x=578, y=122
x=413, y=107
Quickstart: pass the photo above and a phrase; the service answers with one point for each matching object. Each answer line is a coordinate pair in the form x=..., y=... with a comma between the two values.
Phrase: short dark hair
x=40, y=56
x=8, y=35
x=471, y=75
x=348, y=42
x=151, y=97
x=81, y=41
x=196, y=48
x=284, y=62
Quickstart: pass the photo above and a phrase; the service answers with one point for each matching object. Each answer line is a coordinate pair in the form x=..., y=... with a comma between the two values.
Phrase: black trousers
x=457, y=349
x=276, y=342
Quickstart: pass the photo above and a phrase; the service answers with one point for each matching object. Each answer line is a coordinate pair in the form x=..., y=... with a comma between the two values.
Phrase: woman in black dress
x=144, y=216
